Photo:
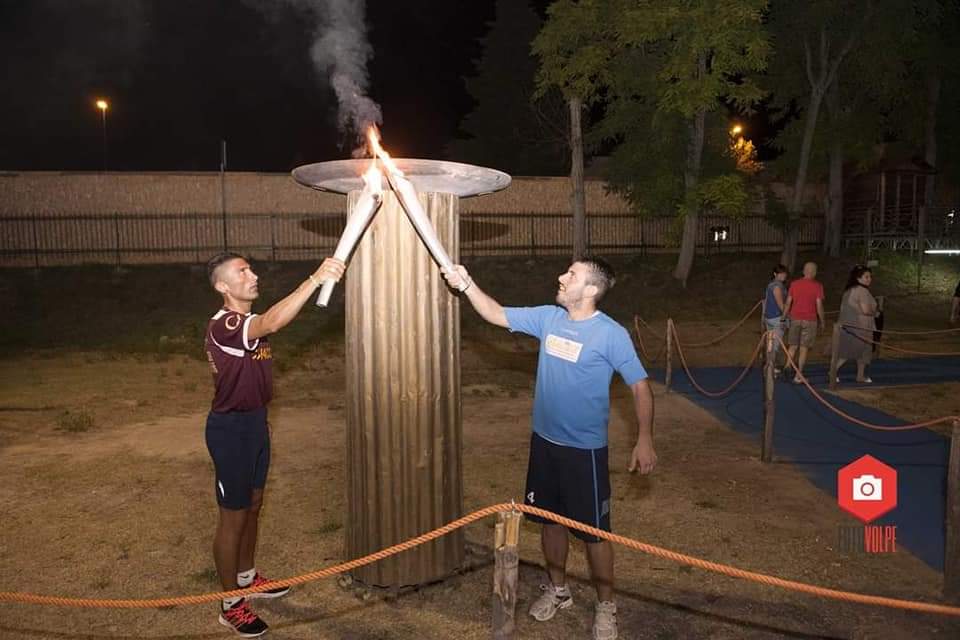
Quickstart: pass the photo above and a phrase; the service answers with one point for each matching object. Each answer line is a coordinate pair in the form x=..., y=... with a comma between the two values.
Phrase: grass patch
x=206, y=576
x=327, y=527
x=75, y=421
x=173, y=320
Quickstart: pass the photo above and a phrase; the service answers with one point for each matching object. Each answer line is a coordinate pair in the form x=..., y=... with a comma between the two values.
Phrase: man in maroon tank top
x=237, y=435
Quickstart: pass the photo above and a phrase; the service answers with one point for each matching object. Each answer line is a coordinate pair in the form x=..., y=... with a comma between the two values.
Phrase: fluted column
x=403, y=396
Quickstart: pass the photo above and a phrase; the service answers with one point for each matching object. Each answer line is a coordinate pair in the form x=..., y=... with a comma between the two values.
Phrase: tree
x=870, y=107
x=862, y=103
x=934, y=74
x=572, y=48
x=510, y=129
x=662, y=69
x=815, y=39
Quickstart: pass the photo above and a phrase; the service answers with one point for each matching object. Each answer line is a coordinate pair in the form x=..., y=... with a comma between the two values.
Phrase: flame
x=373, y=138
x=373, y=178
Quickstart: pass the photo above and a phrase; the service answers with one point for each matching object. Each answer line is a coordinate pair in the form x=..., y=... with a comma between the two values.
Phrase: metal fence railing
x=125, y=239
x=899, y=227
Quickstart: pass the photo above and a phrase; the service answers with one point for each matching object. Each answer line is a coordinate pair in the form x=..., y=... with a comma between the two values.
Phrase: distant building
x=883, y=207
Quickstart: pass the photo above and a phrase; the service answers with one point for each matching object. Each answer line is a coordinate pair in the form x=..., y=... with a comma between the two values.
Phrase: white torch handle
x=411, y=204
x=367, y=205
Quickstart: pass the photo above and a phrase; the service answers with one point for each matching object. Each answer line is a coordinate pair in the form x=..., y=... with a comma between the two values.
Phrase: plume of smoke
x=340, y=52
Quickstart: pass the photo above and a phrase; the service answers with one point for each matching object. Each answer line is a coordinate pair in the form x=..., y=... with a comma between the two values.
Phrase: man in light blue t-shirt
x=580, y=349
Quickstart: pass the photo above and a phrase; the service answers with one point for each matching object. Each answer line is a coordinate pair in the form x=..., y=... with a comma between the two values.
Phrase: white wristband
x=313, y=279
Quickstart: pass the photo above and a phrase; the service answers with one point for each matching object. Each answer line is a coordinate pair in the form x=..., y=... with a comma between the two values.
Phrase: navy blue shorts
x=571, y=482
x=239, y=443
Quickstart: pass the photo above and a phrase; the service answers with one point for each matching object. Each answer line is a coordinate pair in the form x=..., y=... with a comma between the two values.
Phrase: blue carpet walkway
x=819, y=442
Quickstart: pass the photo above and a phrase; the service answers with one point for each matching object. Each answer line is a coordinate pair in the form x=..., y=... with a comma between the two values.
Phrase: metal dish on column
x=427, y=176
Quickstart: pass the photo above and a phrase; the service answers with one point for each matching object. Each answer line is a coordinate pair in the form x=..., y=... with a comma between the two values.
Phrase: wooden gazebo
x=883, y=208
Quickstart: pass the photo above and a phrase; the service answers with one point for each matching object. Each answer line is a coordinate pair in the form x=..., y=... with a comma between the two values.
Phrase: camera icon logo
x=867, y=487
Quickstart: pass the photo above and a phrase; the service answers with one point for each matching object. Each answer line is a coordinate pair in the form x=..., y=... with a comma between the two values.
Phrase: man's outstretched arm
x=282, y=313
x=488, y=308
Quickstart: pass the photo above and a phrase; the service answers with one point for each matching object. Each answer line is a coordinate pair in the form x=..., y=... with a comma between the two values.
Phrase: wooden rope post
x=951, y=560
x=766, y=447
x=763, y=327
x=834, y=353
x=669, y=373
x=505, y=573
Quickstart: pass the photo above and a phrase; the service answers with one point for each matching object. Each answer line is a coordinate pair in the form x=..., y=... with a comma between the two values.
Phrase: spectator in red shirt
x=237, y=434
x=804, y=308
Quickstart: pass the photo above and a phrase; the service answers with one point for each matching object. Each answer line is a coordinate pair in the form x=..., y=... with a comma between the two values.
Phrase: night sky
x=182, y=75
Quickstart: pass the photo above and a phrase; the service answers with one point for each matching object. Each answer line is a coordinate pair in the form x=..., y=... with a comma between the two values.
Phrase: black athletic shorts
x=239, y=443
x=571, y=482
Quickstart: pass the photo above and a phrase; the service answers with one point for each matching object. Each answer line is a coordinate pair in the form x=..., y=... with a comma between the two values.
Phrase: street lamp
x=720, y=234
x=736, y=130
x=103, y=105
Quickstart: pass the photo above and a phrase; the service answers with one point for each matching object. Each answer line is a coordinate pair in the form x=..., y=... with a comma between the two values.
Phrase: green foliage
x=707, y=50
x=726, y=194
x=658, y=65
x=864, y=104
x=574, y=48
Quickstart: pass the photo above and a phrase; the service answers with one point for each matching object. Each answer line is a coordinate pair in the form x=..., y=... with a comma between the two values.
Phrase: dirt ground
x=106, y=485
x=106, y=489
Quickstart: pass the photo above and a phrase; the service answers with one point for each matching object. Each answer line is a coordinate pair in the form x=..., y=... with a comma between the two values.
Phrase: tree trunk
x=691, y=178
x=833, y=216
x=576, y=178
x=791, y=235
x=834, y=227
x=930, y=137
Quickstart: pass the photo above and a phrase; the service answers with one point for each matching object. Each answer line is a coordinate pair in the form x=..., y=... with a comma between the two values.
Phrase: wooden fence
x=126, y=239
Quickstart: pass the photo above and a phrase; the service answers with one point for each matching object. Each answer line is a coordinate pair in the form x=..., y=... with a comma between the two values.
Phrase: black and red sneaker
x=269, y=593
x=242, y=621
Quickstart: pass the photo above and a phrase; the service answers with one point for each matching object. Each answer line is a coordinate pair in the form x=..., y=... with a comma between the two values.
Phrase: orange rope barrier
x=29, y=598
x=729, y=332
x=847, y=329
x=717, y=394
x=643, y=347
x=716, y=567
x=920, y=333
x=843, y=414
x=646, y=326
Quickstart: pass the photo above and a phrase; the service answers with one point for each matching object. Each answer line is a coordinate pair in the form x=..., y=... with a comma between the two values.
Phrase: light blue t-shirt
x=571, y=404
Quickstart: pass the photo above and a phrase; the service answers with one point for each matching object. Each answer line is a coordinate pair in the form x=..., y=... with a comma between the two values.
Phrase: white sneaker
x=553, y=598
x=605, y=621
